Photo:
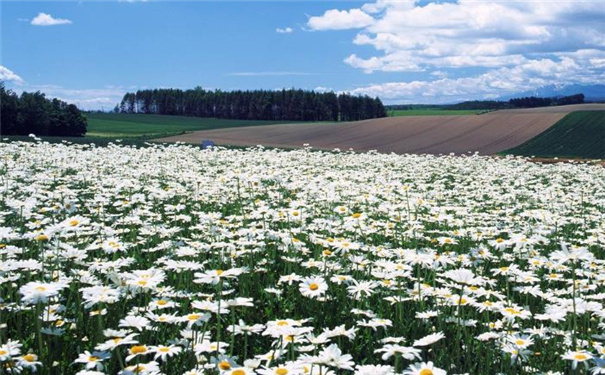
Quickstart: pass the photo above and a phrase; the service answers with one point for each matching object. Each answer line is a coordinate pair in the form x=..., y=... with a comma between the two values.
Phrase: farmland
x=176, y=260
x=579, y=134
x=487, y=133
x=142, y=125
x=434, y=112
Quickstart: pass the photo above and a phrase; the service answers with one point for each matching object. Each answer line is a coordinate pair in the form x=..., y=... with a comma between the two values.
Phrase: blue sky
x=90, y=53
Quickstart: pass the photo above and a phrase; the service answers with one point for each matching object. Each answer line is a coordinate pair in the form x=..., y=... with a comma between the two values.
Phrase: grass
x=577, y=135
x=435, y=112
x=138, y=129
x=120, y=125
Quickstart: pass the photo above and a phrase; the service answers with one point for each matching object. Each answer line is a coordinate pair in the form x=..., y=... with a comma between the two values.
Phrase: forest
x=33, y=113
x=286, y=105
x=525, y=102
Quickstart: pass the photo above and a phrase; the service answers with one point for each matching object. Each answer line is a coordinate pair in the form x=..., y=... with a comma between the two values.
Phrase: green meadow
x=114, y=125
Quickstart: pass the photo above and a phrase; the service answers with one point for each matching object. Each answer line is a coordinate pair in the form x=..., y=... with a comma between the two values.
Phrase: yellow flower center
x=512, y=311
x=520, y=342
x=162, y=302
x=238, y=372
x=93, y=358
x=580, y=357
x=40, y=289
x=142, y=283
x=425, y=371
x=74, y=222
x=193, y=317
x=356, y=215
x=164, y=349
x=42, y=237
x=3, y=352
x=313, y=286
x=224, y=365
x=138, y=349
x=29, y=357
x=219, y=272
x=281, y=371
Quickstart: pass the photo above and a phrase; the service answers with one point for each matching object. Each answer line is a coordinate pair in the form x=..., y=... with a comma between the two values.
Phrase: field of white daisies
x=174, y=260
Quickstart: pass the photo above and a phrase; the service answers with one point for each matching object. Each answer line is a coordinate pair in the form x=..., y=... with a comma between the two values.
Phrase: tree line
x=282, y=105
x=33, y=113
x=526, y=102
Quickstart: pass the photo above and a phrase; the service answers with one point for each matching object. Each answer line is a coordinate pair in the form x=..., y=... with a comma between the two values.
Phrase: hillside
x=579, y=134
x=487, y=134
x=140, y=125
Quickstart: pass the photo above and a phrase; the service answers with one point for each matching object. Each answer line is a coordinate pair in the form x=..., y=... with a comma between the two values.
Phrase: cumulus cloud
x=286, y=30
x=526, y=40
x=8, y=75
x=44, y=19
x=340, y=20
x=493, y=83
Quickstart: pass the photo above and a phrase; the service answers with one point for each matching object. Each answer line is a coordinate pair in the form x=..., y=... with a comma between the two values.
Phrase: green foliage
x=492, y=105
x=33, y=113
x=481, y=105
x=284, y=105
x=579, y=134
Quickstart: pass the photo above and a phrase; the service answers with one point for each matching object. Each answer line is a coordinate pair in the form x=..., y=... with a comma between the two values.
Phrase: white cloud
x=9, y=76
x=340, y=20
x=532, y=41
x=43, y=19
x=286, y=30
x=493, y=83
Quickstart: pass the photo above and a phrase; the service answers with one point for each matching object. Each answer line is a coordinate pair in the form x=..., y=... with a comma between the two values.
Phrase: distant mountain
x=591, y=92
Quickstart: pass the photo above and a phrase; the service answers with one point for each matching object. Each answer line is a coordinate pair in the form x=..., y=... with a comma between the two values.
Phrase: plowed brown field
x=487, y=134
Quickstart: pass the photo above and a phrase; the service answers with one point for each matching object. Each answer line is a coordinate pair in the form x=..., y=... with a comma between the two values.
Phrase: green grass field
x=116, y=125
x=578, y=135
x=434, y=112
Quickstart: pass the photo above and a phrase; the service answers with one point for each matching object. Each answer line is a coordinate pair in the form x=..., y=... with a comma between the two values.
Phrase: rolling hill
x=488, y=133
